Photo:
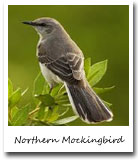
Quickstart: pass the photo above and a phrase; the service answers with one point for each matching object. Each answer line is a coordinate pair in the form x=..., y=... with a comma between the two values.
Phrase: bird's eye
x=49, y=29
x=42, y=24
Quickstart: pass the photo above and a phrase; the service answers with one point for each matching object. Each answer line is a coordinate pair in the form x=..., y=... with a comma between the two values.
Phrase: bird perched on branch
x=61, y=60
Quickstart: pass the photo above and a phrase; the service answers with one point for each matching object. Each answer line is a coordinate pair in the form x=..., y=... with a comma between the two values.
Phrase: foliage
x=49, y=107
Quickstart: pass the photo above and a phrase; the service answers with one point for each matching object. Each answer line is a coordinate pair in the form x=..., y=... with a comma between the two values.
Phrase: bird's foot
x=51, y=88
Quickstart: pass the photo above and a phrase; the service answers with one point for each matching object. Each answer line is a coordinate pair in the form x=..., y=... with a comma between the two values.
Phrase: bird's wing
x=76, y=63
x=69, y=67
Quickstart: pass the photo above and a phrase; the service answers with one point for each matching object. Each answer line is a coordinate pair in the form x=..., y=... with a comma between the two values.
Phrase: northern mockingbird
x=61, y=60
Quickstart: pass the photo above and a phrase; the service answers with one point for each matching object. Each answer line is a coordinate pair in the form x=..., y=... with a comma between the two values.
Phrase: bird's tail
x=87, y=104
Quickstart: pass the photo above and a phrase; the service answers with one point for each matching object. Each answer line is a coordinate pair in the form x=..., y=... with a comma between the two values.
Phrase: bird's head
x=45, y=26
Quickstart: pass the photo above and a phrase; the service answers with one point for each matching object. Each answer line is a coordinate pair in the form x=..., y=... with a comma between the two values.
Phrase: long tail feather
x=87, y=104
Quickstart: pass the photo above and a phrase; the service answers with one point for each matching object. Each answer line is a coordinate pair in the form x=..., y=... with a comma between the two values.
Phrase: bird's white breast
x=50, y=77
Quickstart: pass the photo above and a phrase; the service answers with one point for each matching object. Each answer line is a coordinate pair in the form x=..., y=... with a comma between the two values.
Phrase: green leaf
x=48, y=113
x=14, y=110
x=63, y=110
x=66, y=120
x=10, y=88
x=38, y=85
x=97, y=72
x=46, y=88
x=41, y=111
x=107, y=103
x=39, y=123
x=56, y=89
x=14, y=98
x=46, y=99
x=103, y=90
x=61, y=102
x=61, y=91
x=87, y=65
x=62, y=98
x=21, y=116
x=54, y=115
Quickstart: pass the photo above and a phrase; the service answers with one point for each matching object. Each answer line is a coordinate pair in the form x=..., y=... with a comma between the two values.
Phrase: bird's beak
x=30, y=23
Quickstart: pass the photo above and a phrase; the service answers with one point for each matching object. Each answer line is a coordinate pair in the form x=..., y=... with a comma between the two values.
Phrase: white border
x=75, y=131
x=70, y=2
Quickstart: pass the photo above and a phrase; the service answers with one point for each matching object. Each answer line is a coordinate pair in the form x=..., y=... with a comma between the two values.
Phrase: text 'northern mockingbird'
x=61, y=60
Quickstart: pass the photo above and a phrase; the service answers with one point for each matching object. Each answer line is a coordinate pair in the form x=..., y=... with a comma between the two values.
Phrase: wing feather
x=69, y=67
x=76, y=63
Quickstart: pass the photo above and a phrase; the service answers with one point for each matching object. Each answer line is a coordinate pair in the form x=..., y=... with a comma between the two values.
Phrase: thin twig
x=34, y=111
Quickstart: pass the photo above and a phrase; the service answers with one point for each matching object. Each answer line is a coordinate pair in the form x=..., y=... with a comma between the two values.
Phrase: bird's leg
x=51, y=88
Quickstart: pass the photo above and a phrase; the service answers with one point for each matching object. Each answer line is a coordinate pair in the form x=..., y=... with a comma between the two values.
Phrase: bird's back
x=57, y=46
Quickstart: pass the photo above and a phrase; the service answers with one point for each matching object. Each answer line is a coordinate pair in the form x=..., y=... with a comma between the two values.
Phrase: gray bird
x=61, y=60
